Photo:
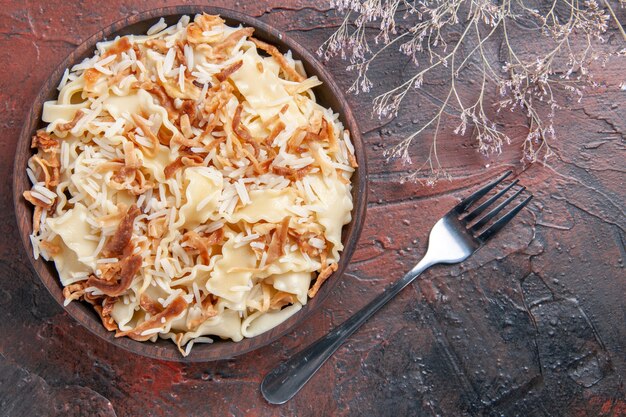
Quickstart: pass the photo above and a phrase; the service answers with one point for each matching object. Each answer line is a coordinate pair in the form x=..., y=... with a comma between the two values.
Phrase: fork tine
x=493, y=213
x=474, y=213
x=460, y=208
x=495, y=228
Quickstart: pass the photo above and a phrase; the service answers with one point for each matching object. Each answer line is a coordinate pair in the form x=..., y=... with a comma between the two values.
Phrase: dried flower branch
x=525, y=80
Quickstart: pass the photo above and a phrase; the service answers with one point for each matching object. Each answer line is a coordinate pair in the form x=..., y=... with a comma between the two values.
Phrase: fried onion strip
x=118, y=243
x=277, y=244
x=280, y=58
x=128, y=269
x=228, y=71
x=321, y=278
x=173, y=310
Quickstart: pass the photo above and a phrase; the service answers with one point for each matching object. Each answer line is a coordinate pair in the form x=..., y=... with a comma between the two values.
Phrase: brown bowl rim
x=165, y=349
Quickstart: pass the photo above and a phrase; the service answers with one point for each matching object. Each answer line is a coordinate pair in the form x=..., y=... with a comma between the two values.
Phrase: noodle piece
x=267, y=295
x=107, y=321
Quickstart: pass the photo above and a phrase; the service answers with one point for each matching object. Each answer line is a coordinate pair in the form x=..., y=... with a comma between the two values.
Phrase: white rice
x=257, y=245
x=181, y=78
x=204, y=202
x=168, y=61
x=35, y=242
x=64, y=79
x=196, y=292
x=189, y=57
x=107, y=260
x=157, y=27
x=65, y=155
x=31, y=175
x=44, y=191
x=212, y=227
x=41, y=197
x=203, y=93
x=263, y=260
x=183, y=21
x=242, y=192
x=85, y=64
x=140, y=200
x=115, y=128
x=151, y=331
x=203, y=339
x=317, y=243
x=159, y=213
x=166, y=302
x=246, y=239
x=144, y=142
x=168, y=269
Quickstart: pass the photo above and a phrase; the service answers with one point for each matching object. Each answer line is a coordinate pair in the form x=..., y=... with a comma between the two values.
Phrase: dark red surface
x=532, y=325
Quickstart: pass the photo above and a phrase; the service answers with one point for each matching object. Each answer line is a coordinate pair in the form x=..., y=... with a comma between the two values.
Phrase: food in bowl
x=188, y=185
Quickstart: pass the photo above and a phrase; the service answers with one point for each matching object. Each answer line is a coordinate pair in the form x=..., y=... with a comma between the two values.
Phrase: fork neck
x=426, y=262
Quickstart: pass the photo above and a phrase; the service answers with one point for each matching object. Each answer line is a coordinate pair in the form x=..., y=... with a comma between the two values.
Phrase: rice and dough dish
x=188, y=185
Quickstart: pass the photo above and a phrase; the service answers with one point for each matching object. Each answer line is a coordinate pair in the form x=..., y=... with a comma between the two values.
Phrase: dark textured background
x=532, y=325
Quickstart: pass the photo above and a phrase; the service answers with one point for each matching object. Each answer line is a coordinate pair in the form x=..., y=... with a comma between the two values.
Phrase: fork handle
x=284, y=381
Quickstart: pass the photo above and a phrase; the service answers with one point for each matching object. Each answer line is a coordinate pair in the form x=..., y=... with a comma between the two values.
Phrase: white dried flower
x=428, y=33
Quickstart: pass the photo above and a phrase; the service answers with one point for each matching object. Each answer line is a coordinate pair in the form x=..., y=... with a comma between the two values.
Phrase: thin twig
x=619, y=25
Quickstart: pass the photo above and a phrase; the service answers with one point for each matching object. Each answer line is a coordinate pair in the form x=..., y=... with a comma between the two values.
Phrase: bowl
x=328, y=94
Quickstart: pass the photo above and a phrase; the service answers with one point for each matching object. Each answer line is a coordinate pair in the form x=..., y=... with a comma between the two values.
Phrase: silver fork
x=452, y=239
